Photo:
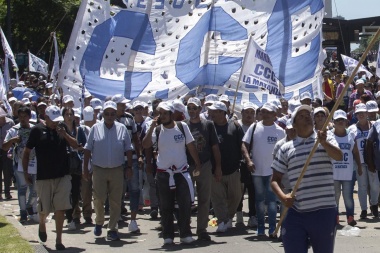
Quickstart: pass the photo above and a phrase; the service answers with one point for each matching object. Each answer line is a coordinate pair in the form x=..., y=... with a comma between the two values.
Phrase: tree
x=364, y=42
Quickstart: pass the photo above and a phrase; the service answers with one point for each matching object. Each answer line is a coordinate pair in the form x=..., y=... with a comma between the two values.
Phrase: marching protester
x=312, y=212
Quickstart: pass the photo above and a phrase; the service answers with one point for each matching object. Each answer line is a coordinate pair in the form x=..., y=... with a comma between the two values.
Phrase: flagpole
x=241, y=71
x=336, y=105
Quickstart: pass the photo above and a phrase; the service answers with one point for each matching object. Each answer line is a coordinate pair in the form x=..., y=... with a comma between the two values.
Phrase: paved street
x=236, y=239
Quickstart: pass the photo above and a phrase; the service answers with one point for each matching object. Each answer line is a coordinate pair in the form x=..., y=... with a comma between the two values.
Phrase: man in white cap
x=368, y=181
x=209, y=100
x=87, y=98
x=172, y=178
x=50, y=141
x=127, y=119
x=107, y=142
x=305, y=98
x=5, y=163
x=206, y=143
x=28, y=95
x=312, y=212
x=230, y=115
x=259, y=159
x=358, y=93
x=373, y=110
x=226, y=193
x=68, y=101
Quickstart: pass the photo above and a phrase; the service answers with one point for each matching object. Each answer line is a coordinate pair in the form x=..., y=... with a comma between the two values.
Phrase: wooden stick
x=337, y=103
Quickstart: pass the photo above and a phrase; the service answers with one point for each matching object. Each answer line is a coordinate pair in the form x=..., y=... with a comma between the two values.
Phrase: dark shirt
x=50, y=152
x=230, y=139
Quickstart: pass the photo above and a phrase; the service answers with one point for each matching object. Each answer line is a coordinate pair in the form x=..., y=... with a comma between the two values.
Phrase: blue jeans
x=22, y=188
x=368, y=180
x=264, y=195
x=134, y=187
x=346, y=188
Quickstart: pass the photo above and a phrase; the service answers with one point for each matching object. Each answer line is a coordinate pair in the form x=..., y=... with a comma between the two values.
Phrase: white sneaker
x=252, y=222
x=221, y=228
x=229, y=223
x=187, y=240
x=168, y=241
x=71, y=226
x=132, y=227
x=239, y=218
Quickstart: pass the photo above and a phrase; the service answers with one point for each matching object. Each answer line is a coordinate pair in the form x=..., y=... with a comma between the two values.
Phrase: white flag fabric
x=378, y=62
x=55, y=69
x=7, y=50
x=37, y=65
x=257, y=71
x=165, y=49
x=3, y=95
x=350, y=64
x=7, y=78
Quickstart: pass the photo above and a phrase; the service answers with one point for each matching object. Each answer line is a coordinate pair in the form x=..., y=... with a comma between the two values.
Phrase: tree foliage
x=34, y=20
x=364, y=42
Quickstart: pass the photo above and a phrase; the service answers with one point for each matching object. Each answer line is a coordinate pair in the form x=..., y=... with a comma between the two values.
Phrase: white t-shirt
x=264, y=139
x=171, y=146
x=360, y=137
x=343, y=169
x=19, y=148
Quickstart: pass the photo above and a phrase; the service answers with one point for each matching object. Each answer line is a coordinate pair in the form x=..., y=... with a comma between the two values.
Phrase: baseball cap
x=289, y=124
x=277, y=103
x=224, y=98
x=41, y=103
x=137, y=103
x=49, y=85
x=88, y=113
x=359, y=81
x=21, y=84
x=211, y=99
x=87, y=94
x=269, y=107
x=319, y=109
x=178, y=106
x=377, y=94
x=305, y=95
x=67, y=98
x=25, y=101
x=217, y=105
x=201, y=95
x=12, y=99
x=372, y=106
x=194, y=100
x=54, y=113
x=144, y=104
x=166, y=106
x=96, y=103
x=54, y=96
x=298, y=109
x=360, y=108
x=249, y=105
x=326, y=73
x=110, y=104
x=77, y=112
x=119, y=98
x=340, y=114
x=27, y=94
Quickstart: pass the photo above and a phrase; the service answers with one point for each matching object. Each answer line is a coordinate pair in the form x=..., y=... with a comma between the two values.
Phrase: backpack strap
x=180, y=126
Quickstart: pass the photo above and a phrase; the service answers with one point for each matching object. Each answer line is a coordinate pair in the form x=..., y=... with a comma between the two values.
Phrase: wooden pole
x=337, y=103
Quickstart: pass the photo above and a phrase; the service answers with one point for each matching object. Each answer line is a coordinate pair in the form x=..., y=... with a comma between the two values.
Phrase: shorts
x=53, y=194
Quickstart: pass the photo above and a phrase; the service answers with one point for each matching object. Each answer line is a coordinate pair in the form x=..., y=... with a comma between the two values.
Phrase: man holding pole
x=312, y=212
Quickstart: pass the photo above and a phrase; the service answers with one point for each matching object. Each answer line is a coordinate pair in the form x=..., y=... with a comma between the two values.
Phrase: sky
x=353, y=9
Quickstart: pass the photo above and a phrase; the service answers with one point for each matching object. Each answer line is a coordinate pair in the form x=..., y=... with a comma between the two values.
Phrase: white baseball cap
x=359, y=81
x=96, y=103
x=49, y=85
x=218, y=105
x=88, y=113
x=209, y=99
x=339, y=114
x=27, y=94
x=166, y=106
x=67, y=98
x=249, y=105
x=41, y=103
x=25, y=101
x=194, y=100
x=110, y=104
x=269, y=107
x=319, y=109
x=11, y=99
x=137, y=103
x=224, y=98
x=178, y=106
x=54, y=113
x=119, y=98
x=305, y=95
x=360, y=108
x=277, y=103
x=77, y=112
x=298, y=109
x=372, y=106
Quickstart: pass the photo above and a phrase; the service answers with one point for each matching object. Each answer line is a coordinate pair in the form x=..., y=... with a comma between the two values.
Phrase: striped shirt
x=316, y=190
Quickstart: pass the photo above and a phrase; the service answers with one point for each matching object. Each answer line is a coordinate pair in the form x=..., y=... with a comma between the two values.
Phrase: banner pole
x=337, y=103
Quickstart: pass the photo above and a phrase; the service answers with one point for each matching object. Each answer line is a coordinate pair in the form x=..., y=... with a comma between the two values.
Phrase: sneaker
x=98, y=230
x=23, y=216
x=375, y=210
x=112, y=236
x=153, y=214
x=8, y=196
x=76, y=220
x=60, y=246
x=351, y=221
x=204, y=236
x=133, y=228
x=168, y=241
x=187, y=240
x=88, y=220
x=124, y=210
x=363, y=215
x=252, y=222
x=71, y=226
x=221, y=228
x=229, y=223
x=239, y=218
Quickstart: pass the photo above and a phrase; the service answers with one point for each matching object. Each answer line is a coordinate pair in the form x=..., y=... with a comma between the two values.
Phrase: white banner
x=378, y=62
x=351, y=64
x=257, y=71
x=7, y=50
x=37, y=65
x=55, y=69
x=165, y=49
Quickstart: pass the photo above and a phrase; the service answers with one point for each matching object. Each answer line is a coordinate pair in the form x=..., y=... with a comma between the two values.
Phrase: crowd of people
x=193, y=151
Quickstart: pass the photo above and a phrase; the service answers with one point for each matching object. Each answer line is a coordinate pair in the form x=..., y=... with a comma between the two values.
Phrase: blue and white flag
x=55, y=69
x=378, y=62
x=165, y=49
x=7, y=50
x=350, y=64
x=3, y=95
x=37, y=65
